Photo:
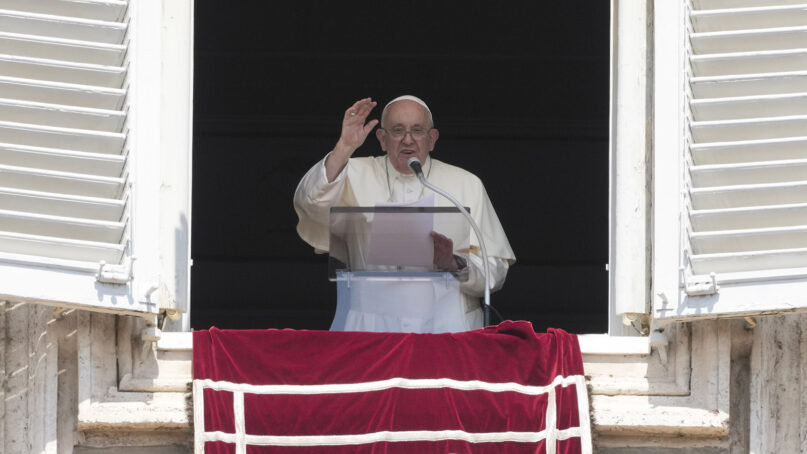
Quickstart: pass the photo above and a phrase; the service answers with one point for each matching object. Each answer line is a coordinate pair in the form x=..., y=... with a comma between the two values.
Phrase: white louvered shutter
x=63, y=169
x=743, y=164
x=95, y=110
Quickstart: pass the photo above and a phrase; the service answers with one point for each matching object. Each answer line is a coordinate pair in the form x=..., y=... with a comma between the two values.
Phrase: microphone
x=414, y=164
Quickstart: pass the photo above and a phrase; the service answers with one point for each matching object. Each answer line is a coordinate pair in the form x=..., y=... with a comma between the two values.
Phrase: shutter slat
x=59, y=93
x=62, y=182
x=104, y=10
x=61, y=227
x=62, y=49
x=749, y=40
x=53, y=137
x=749, y=195
x=750, y=150
x=749, y=173
x=774, y=105
x=62, y=27
x=63, y=116
x=66, y=72
x=748, y=84
x=61, y=204
x=749, y=240
x=749, y=218
x=749, y=261
x=775, y=61
x=750, y=18
x=62, y=160
x=60, y=248
x=733, y=4
x=748, y=129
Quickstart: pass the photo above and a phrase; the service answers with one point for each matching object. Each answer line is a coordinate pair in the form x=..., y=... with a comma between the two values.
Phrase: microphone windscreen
x=414, y=164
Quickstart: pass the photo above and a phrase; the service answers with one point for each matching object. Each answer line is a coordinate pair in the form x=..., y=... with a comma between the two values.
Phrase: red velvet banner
x=502, y=389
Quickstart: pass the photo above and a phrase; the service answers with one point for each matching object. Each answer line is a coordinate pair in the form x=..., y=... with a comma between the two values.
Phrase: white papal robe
x=368, y=181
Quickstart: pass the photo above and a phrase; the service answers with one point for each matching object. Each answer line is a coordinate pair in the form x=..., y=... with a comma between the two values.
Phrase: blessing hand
x=354, y=129
x=354, y=132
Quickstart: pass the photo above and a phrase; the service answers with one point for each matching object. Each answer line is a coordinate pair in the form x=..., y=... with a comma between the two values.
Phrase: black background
x=519, y=92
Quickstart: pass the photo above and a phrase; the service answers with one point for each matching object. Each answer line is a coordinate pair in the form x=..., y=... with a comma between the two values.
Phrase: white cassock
x=372, y=180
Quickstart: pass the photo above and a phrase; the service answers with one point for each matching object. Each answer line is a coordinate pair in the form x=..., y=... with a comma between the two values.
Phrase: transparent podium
x=382, y=259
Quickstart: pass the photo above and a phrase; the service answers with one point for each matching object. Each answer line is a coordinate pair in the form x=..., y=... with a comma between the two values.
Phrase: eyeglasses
x=398, y=132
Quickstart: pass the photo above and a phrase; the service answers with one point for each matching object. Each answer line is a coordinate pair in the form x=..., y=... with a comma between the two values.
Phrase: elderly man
x=407, y=130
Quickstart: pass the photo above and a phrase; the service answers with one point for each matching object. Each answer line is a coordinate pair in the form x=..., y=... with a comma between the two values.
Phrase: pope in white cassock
x=407, y=130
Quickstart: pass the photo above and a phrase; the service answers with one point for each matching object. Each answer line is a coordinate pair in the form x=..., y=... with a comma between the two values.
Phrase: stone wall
x=38, y=404
x=60, y=393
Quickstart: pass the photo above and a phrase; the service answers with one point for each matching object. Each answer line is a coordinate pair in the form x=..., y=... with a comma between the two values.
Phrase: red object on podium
x=502, y=389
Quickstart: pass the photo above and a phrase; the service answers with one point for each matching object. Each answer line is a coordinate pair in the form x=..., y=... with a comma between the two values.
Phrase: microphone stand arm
x=485, y=264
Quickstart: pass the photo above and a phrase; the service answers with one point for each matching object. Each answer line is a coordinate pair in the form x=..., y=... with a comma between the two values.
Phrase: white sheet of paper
x=402, y=238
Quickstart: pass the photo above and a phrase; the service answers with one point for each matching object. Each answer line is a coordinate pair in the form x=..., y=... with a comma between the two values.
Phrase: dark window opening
x=520, y=95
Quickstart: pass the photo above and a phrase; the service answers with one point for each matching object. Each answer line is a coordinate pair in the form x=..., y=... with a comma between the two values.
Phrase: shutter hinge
x=115, y=274
x=700, y=285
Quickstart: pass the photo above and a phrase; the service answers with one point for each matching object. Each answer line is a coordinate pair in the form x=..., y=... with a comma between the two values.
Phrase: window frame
x=630, y=240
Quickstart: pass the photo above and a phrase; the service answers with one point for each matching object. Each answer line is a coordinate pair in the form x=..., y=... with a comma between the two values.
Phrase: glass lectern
x=382, y=259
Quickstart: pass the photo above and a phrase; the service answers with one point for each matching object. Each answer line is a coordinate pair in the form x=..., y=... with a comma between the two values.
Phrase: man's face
x=410, y=118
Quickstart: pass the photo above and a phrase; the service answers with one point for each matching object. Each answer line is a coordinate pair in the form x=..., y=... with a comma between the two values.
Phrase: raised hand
x=354, y=133
x=354, y=129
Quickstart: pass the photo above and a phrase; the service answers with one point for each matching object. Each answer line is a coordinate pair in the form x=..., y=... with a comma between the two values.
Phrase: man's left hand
x=443, y=252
